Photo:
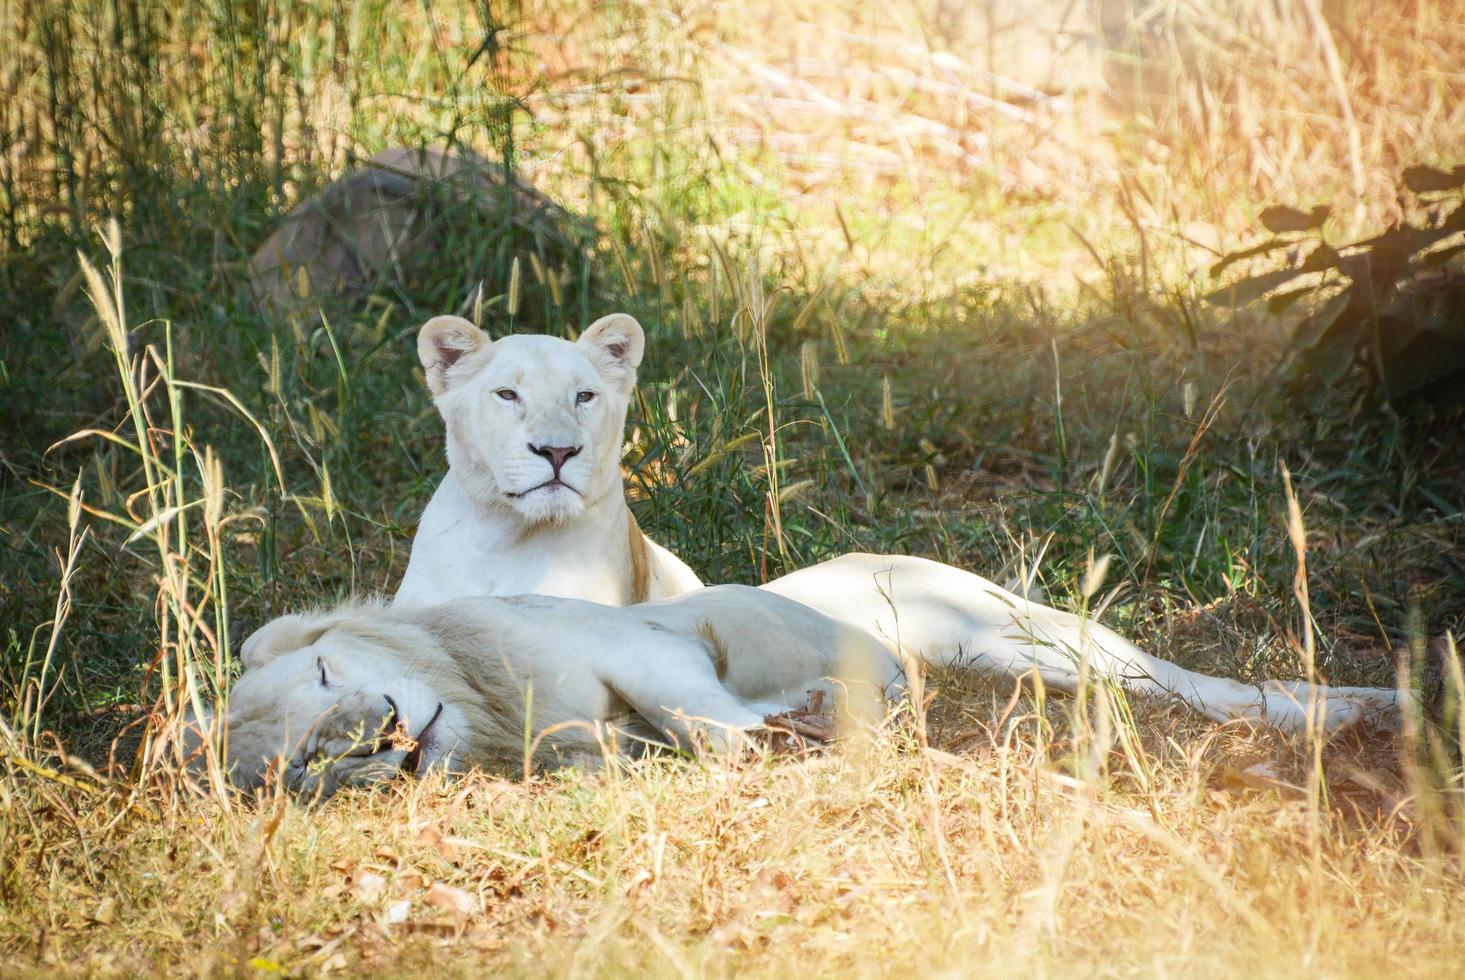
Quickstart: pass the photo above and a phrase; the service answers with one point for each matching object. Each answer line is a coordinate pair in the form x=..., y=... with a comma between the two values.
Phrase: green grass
x=1013, y=360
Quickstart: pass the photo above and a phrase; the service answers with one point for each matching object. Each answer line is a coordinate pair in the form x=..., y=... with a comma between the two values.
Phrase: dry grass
x=919, y=277
x=967, y=143
x=875, y=859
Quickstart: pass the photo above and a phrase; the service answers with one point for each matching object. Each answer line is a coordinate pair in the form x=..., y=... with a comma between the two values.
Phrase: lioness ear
x=441, y=342
x=615, y=344
x=284, y=635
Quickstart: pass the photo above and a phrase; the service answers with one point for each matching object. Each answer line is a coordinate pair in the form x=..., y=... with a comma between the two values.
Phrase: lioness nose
x=555, y=454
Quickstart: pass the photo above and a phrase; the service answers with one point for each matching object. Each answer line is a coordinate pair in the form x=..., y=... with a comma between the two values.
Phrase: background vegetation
x=926, y=278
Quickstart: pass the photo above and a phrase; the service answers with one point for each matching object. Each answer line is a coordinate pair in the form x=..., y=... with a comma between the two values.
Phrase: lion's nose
x=555, y=454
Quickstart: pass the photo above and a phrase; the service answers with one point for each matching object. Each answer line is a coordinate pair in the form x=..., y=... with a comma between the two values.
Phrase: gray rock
x=399, y=206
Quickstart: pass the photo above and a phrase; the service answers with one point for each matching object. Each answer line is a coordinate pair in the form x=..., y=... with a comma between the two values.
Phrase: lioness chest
x=458, y=552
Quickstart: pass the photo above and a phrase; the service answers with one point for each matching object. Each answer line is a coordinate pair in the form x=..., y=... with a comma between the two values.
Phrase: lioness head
x=332, y=704
x=534, y=422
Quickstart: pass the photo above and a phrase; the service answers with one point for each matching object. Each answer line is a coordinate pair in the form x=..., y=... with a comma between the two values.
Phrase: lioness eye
x=320, y=664
x=508, y=394
x=584, y=398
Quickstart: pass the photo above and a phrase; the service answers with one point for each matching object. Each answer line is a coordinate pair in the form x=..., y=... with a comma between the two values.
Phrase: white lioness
x=362, y=693
x=519, y=425
x=533, y=500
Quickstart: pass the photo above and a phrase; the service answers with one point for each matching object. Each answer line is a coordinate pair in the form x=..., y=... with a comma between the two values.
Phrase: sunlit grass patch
x=865, y=858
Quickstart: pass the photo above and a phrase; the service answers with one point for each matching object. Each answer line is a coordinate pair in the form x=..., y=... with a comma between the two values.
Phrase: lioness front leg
x=673, y=684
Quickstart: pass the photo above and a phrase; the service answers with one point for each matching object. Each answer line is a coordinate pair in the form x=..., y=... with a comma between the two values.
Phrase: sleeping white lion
x=363, y=693
x=533, y=502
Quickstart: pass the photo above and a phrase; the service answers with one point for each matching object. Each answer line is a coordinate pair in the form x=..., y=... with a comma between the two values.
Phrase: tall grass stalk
x=37, y=684
x=1316, y=733
x=179, y=509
